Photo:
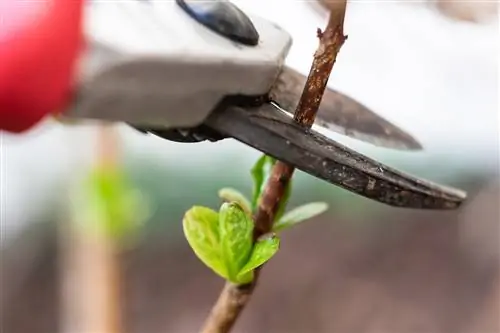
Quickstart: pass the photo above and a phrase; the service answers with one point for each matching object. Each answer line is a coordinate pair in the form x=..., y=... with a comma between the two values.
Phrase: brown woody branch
x=233, y=298
x=90, y=268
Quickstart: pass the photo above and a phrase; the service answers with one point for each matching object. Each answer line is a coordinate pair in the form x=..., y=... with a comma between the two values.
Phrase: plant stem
x=91, y=268
x=233, y=299
x=91, y=284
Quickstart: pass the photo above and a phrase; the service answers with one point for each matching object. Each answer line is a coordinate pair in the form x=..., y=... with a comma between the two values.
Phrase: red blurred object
x=39, y=45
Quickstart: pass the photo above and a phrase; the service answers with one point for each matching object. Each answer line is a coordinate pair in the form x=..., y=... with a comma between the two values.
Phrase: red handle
x=39, y=45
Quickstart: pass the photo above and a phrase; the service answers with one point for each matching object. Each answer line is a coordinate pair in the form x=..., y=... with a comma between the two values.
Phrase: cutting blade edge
x=342, y=114
x=268, y=130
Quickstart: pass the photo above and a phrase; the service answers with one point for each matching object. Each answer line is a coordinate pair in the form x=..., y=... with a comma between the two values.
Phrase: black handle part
x=224, y=18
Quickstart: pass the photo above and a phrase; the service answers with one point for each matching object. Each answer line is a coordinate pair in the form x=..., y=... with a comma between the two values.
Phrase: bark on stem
x=91, y=268
x=233, y=299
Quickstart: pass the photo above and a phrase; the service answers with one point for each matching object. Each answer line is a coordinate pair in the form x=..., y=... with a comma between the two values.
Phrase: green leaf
x=245, y=278
x=300, y=214
x=258, y=180
x=236, y=231
x=260, y=173
x=232, y=195
x=109, y=202
x=262, y=251
x=201, y=228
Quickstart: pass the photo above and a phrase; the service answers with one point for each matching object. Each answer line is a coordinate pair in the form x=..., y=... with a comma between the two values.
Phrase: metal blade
x=342, y=114
x=269, y=130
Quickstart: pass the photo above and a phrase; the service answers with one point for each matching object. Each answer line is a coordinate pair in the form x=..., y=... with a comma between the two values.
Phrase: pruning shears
x=190, y=71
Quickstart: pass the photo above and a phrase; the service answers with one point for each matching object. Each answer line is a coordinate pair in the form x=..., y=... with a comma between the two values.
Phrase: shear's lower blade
x=272, y=132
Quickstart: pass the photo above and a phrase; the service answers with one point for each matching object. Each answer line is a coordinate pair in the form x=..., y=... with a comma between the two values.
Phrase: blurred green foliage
x=106, y=202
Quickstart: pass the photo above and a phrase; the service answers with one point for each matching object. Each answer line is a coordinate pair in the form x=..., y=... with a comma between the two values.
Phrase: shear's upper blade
x=272, y=132
x=342, y=114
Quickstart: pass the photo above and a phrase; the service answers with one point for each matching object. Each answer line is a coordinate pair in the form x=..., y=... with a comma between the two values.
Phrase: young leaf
x=262, y=251
x=300, y=214
x=231, y=195
x=245, y=278
x=201, y=228
x=260, y=174
x=236, y=229
x=258, y=180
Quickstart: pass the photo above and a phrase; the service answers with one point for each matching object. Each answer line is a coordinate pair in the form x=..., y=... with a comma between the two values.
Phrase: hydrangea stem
x=233, y=299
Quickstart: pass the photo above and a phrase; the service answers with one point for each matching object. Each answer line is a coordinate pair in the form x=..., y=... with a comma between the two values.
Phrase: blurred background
x=430, y=67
